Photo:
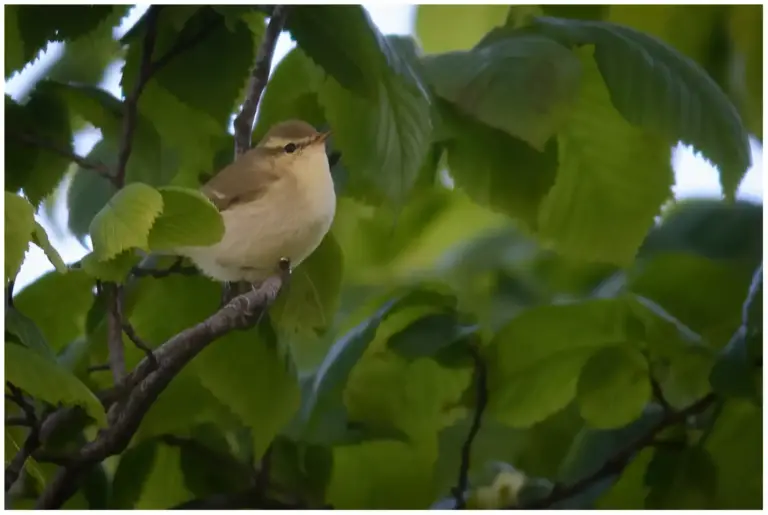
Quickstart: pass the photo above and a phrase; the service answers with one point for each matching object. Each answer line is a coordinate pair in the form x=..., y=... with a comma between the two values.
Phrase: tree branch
x=258, y=81
x=146, y=382
x=114, y=332
x=132, y=101
x=481, y=401
x=100, y=168
x=130, y=332
x=31, y=443
x=618, y=462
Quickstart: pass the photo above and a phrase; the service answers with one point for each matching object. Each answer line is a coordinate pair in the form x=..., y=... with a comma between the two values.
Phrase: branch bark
x=146, y=382
x=258, y=81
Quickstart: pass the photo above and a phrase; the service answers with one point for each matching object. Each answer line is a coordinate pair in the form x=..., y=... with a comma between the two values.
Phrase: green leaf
x=125, y=221
x=188, y=218
x=445, y=28
x=497, y=170
x=683, y=284
x=534, y=362
x=42, y=119
x=332, y=376
x=291, y=93
x=734, y=371
x=357, y=57
x=180, y=77
x=29, y=335
x=115, y=269
x=37, y=25
x=681, y=479
x=131, y=474
x=523, y=85
x=630, y=491
x=383, y=140
x=151, y=161
x=14, y=45
x=58, y=304
x=612, y=180
x=40, y=238
x=308, y=307
x=746, y=36
x=255, y=379
x=614, y=387
x=429, y=336
x=654, y=86
x=734, y=444
x=19, y=225
x=301, y=467
x=47, y=381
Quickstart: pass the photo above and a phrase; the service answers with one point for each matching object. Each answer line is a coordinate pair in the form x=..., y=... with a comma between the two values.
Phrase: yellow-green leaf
x=19, y=224
x=612, y=180
x=188, y=218
x=46, y=380
x=125, y=221
x=40, y=238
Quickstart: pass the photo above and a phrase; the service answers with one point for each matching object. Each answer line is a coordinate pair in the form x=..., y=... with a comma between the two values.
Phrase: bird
x=277, y=201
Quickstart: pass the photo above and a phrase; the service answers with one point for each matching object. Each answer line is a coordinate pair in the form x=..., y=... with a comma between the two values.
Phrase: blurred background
x=694, y=176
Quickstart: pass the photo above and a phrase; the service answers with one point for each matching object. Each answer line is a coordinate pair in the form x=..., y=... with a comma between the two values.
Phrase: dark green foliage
x=509, y=299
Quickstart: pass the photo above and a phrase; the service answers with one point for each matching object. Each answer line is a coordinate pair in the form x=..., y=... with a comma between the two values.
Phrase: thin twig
x=659, y=394
x=481, y=400
x=100, y=168
x=131, y=104
x=98, y=368
x=618, y=462
x=177, y=268
x=17, y=421
x=114, y=333
x=9, y=293
x=258, y=81
x=130, y=332
x=148, y=382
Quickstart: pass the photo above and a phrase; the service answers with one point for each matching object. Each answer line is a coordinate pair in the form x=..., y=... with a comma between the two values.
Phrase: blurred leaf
x=40, y=238
x=19, y=225
x=151, y=161
x=591, y=449
x=301, y=467
x=428, y=336
x=47, y=381
x=381, y=475
x=29, y=335
x=14, y=45
x=188, y=218
x=746, y=36
x=630, y=491
x=180, y=77
x=681, y=479
x=534, y=362
x=733, y=372
x=209, y=471
x=131, y=474
x=524, y=85
x=655, y=87
x=711, y=228
x=125, y=221
x=612, y=180
x=307, y=308
x=614, y=387
x=115, y=269
x=384, y=139
x=497, y=170
x=43, y=120
x=445, y=28
x=684, y=285
x=58, y=304
x=735, y=445
x=291, y=93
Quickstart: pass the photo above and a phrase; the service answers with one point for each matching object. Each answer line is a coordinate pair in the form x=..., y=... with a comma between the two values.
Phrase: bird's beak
x=320, y=138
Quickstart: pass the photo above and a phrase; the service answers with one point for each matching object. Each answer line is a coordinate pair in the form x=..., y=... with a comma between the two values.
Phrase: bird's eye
x=290, y=148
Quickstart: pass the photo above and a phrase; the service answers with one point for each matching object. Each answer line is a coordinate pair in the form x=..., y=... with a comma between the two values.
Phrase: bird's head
x=293, y=140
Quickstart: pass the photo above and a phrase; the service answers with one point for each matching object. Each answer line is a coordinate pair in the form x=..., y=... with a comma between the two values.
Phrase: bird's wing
x=246, y=179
